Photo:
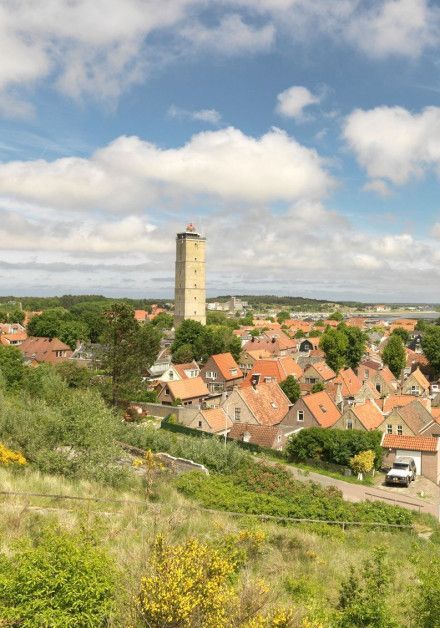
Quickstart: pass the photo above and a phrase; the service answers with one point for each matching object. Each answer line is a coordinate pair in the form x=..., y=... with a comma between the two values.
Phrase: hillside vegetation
x=148, y=548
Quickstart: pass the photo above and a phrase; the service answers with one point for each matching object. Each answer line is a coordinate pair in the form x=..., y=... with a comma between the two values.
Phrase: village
x=284, y=374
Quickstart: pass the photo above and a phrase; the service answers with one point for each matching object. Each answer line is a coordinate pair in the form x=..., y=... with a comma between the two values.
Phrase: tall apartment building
x=190, y=292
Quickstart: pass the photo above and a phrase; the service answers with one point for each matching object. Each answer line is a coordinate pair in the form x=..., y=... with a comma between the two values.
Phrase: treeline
x=67, y=301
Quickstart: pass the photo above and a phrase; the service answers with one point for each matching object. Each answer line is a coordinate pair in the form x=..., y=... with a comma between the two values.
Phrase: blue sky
x=302, y=137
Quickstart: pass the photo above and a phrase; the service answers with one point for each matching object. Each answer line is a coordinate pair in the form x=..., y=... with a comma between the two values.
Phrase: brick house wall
x=291, y=418
x=235, y=406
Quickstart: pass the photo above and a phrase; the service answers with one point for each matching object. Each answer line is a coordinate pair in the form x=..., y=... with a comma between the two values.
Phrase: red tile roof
x=395, y=401
x=262, y=435
x=276, y=368
x=188, y=388
x=44, y=349
x=227, y=366
x=323, y=370
x=189, y=366
x=351, y=384
x=141, y=315
x=410, y=443
x=322, y=407
x=368, y=414
x=217, y=419
x=267, y=402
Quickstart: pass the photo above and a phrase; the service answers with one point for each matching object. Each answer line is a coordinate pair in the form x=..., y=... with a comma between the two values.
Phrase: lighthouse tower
x=190, y=291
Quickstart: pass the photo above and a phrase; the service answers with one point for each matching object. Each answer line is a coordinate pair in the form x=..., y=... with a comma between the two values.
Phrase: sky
x=302, y=138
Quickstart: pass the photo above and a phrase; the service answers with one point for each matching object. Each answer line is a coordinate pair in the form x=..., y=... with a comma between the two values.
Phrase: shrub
x=332, y=445
x=362, y=463
x=62, y=580
x=264, y=490
x=7, y=456
x=209, y=451
x=188, y=586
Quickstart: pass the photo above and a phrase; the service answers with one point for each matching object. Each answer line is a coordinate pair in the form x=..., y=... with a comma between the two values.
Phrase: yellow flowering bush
x=188, y=586
x=7, y=456
x=151, y=467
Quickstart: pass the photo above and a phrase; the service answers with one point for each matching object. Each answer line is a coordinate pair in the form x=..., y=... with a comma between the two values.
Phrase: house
x=408, y=324
x=315, y=410
x=190, y=392
x=277, y=344
x=356, y=321
x=221, y=373
x=265, y=404
x=36, y=350
x=12, y=328
x=380, y=376
x=14, y=339
x=141, y=316
x=318, y=372
x=388, y=403
x=411, y=419
x=176, y=372
x=350, y=383
x=274, y=370
x=423, y=449
x=309, y=344
x=360, y=416
x=248, y=359
x=367, y=391
x=296, y=325
x=268, y=436
x=416, y=384
x=212, y=420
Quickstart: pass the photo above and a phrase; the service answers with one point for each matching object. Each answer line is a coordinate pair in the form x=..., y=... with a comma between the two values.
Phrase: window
x=237, y=414
x=349, y=425
x=367, y=373
x=233, y=371
x=211, y=375
x=414, y=390
x=400, y=430
x=311, y=380
x=200, y=424
x=300, y=416
x=378, y=388
x=171, y=374
x=389, y=428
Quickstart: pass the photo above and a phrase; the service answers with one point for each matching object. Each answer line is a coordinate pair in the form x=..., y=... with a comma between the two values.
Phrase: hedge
x=333, y=446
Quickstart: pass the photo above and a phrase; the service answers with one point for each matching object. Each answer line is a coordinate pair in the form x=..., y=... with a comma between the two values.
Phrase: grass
x=301, y=564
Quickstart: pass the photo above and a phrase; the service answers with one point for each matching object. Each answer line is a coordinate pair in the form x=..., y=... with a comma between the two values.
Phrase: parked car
x=403, y=472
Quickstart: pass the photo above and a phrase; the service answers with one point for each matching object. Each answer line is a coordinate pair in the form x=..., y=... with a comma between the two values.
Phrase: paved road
x=360, y=492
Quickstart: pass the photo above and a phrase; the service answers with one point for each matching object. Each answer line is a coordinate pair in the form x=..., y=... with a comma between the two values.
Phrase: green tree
x=318, y=387
x=164, y=320
x=422, y=325
x=431, y=346
x=394, y=355
x=129, y=350
x=283, y=316
x=362, y=598
x=11, y=366
x=71, y=332
x=334, y=343
x=62, y=580
x=336, y=316
x=299, y=334
x=91, y=313
x=183, y=354
x=14, y=315
x=291, y=389
x=402, y=333
x=356, y=340
x=74, y=375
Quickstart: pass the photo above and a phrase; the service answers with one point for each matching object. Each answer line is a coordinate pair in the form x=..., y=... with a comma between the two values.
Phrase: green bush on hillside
x=208, y=451
x=62, y=580
x=267, y=490
x=333, y=446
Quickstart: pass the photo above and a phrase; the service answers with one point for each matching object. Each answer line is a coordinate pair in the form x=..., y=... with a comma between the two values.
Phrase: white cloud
x=378, y=186
x=130, y=174
x=230, y=36
x=436, y=230
x=293, y=101
x=394, y=144
x=99, y=49
x=211, y=116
